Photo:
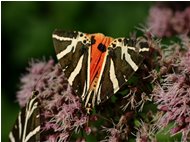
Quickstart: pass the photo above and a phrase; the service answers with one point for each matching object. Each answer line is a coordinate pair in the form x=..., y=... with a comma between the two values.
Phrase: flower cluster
x=32, y=80
x=172, y=96
x=165, y=21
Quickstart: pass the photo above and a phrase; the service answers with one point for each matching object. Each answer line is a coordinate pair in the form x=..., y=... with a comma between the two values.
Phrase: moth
x=27, y=125
x=96, y=65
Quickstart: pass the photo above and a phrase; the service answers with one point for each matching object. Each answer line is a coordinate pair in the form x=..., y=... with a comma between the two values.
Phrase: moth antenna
x=133, y=35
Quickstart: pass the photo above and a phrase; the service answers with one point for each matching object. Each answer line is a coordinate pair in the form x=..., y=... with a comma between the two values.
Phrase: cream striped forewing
x=27, y=125
x=73, y=53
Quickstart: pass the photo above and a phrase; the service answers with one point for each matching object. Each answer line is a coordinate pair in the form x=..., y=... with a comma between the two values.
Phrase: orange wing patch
x=98, y=52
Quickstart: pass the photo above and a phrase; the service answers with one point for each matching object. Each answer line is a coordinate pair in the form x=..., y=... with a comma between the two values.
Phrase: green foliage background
x=26, y=34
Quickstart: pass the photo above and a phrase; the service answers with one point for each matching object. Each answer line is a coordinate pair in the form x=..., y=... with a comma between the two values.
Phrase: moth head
x=84, y=38
x=116, y=42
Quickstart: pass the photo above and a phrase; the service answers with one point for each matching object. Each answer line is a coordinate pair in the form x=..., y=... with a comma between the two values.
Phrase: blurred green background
x=26, y=34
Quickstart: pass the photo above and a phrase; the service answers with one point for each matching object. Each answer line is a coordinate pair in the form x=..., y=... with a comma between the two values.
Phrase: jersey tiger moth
x=95, y=65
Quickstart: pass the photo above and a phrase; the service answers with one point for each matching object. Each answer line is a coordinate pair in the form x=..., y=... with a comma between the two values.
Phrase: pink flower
x=32, y=80
x=165, y=21
x=114, y=135
x=173, y=96
x=88, y=130
x=146, y=132
x=159, y=21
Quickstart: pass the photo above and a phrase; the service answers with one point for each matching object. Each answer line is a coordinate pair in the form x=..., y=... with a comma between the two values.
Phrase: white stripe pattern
x=73, y=46
x=84, y=91
x=113, y=77
x=20, y=127
x=144, y=49
x=32, y=133
x=88, y=97
x=61, y=38
x=87, y=82
x=98, y=96
x=21, y=134
x=11, y=137
x=124, y=53
x=76, y=71
x=29, y=111
x=99, y=79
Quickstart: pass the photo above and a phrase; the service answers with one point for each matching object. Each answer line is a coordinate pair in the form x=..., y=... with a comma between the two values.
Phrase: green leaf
x=165, y=135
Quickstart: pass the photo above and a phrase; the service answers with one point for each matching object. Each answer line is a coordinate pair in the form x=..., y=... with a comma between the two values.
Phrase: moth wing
x=123, y=59
x=27, y=125
x=72, y=50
